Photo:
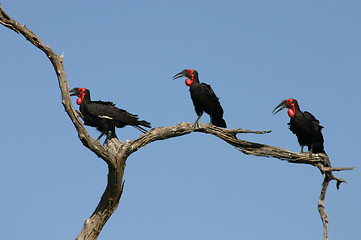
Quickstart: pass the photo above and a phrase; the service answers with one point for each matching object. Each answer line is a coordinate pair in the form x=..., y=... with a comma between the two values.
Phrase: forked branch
x=116, y=154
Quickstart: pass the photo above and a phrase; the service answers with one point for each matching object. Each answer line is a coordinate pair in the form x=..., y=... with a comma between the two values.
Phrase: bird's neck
x=195, y=81
x=86, y=99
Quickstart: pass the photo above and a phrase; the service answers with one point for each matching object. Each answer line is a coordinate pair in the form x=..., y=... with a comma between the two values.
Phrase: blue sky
x=253, y=53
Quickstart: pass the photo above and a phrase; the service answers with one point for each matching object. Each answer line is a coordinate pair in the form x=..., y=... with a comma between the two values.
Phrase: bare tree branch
x=116, y=154
x=321, y=206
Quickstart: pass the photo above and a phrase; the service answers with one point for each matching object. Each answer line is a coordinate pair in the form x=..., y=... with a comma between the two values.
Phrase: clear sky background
x=253, y=53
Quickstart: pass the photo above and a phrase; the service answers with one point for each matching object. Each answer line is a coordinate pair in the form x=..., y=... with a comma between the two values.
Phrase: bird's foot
x=109, y=136
x=97, y=141
x=196, y=125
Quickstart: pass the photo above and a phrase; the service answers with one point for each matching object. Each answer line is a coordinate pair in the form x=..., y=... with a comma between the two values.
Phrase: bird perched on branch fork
x=306, y=127
x=104, y=115
x=203, y=97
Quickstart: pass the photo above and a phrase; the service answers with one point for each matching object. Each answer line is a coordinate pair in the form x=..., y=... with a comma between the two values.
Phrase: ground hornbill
x=203, y=97
x=104, y=115
x=306, y=127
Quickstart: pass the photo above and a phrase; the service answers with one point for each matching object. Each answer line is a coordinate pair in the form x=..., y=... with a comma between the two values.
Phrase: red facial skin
x=81, y=96
x=291, y=108
x=191, y=74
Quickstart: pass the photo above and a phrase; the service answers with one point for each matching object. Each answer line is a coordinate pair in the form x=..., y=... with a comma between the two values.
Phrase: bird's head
x=80, y=93
x=191, y=74
x=290, y=104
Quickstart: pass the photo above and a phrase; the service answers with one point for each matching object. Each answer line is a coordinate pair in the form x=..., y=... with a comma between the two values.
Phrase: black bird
x=306, y=127
x=203, y=97
x=104, y=115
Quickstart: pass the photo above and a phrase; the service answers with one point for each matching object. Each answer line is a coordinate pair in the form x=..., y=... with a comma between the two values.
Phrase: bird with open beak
x=203, y=97
x=306, y=127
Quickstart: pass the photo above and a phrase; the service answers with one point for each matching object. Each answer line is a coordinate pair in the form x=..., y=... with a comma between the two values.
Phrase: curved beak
x=74, y=92
x=181, y=74
x=281, y=106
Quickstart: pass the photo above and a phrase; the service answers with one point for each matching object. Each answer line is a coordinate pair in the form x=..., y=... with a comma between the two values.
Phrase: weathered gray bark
x=116, y=154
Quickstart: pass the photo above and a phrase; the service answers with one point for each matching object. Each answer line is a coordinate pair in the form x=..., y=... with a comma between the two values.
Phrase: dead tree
x=117, y=152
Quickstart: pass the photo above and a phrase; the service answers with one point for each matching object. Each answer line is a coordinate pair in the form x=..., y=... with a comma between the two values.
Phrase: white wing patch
x=107, y=117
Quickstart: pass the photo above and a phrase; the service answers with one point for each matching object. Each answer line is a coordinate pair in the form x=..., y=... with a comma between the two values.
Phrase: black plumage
x=203, y=97
x=306, y=127
x=104, y=115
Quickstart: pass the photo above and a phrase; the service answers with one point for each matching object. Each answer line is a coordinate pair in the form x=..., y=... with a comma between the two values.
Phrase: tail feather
x=219, y=121
x=140, y=129
x=317, y=147
x=143, y=123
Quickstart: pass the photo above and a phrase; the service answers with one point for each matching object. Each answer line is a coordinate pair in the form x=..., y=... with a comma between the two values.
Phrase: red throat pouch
x=79, y=100
x=291, y=111
x=189, y=82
